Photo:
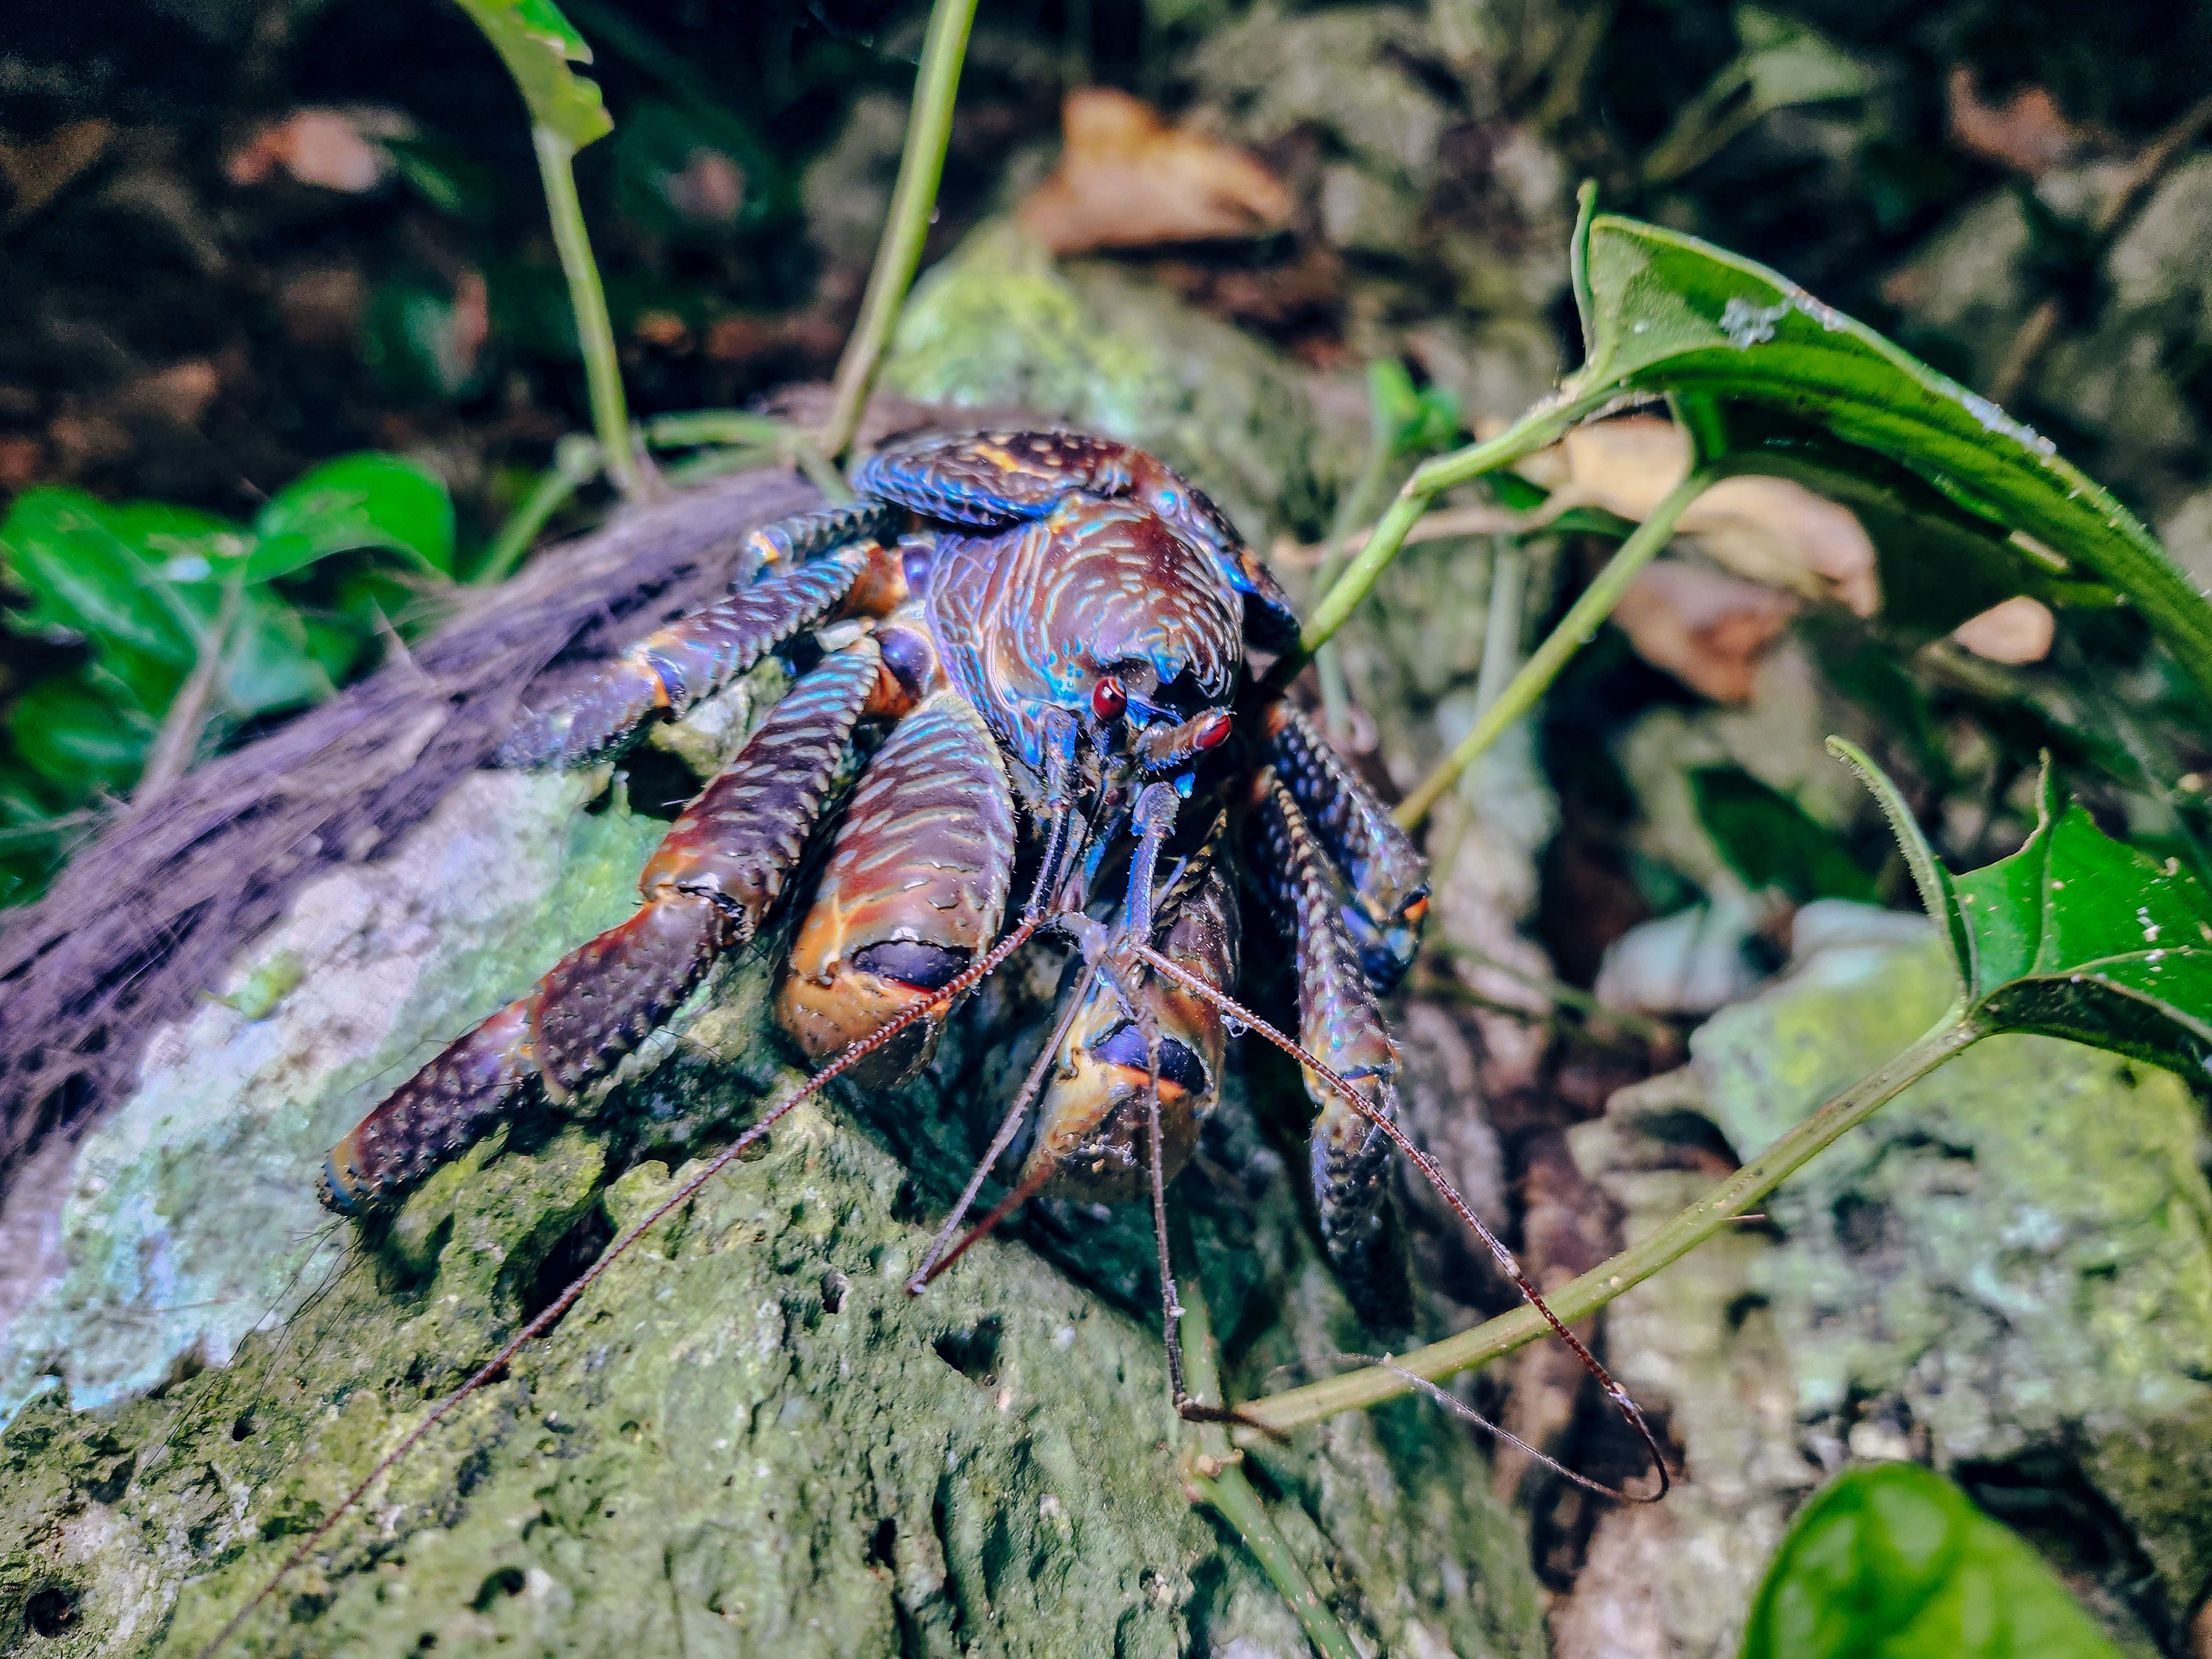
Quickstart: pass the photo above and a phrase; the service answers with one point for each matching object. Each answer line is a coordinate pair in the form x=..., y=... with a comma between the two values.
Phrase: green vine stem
x=595, y=334
x=575, y=463
x=1543, y=425
x=1356, y=1390
x=1357, y=505
x=1575, y=630
x=913, y=200
x=1212, y=1472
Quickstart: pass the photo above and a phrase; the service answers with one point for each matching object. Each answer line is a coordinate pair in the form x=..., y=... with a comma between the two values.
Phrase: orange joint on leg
x=880, y=588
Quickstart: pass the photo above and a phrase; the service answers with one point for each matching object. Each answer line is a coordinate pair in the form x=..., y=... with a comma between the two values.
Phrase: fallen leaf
x=37, y=172
x=2016, y=630
x=322, y=305
x=708, y=190
x=1126, y=179
x=2028, y=132
x=338, y=150
x=1708, y=629
x=181, y=392
x=1771, y=530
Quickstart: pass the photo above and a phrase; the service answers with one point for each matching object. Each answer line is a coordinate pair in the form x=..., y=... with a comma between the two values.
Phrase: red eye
x=1107, y=699
x=1211, y=729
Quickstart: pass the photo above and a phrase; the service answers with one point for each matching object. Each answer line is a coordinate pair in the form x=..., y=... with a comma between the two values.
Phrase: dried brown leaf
x=1771, y=529
x=1126, y=179
x=2028, y=132
x=1710, y=630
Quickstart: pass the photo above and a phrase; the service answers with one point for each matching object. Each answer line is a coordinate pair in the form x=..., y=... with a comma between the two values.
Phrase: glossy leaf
x=355, y=501
x=537, y=44
x=1770, y=841
x=138, y=582
x=1895, y=1562
x=2076, y=935
x=1663, y=311
x=77, y=740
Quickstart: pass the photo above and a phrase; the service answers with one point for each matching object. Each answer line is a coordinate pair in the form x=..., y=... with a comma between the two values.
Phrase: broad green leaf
x=356, y=501
x=77, y=740
x=267, y=661
x=1770, y=841
x=2076, y=935
x=1894, y=1562
x=140, y=582
x=537, y=44
x=1666, y=313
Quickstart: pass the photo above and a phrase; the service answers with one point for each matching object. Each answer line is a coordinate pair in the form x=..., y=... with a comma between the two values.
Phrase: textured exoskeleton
x=1054, y=628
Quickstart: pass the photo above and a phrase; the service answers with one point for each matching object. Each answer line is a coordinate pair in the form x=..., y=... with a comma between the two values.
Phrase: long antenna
x=972, y=975
x=1229, y=1005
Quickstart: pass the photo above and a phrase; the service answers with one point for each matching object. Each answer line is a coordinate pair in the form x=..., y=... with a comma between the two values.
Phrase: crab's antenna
x=1032, y=1184
x=1459, y=1409
x=1620, y=1396
x=931, y=1264
x=966, y=980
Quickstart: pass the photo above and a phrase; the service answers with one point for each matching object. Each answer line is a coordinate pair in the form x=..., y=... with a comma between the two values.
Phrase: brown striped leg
x=1340, y=1025
x=806, y=536
x=914, y=888
x=667, y=674
x=1386, y=872
x=1092, y=1128
x=724, y=862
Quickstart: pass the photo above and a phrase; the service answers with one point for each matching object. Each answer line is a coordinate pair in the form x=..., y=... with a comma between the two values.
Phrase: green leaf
x=1782, y=64
x=2076, y=935
x=1667, y=314
x=1770, y=841
x=77, y=740
x=268, y=664
x=138, y=582
x=537, y=44
x=357, y=501
x=1894, y=1562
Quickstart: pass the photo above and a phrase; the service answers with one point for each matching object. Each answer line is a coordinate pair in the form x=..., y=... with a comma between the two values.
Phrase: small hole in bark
x=507, y=1581
x=50, y=1612
x=975, y=1352
x=883, y=1545
x=572, y=1252
x=241, y=1427
x=661, y=785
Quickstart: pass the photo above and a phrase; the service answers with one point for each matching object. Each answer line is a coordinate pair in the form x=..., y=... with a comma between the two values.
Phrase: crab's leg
x=914, y=888
x=806, y=535
x=1090, y=1129
x=1386, y=872
x=668, y=673
x=1338, y=1024
x=721, y=866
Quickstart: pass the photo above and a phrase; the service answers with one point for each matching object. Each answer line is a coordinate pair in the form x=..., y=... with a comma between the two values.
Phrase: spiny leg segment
x=1349, y=1158
x=721, y=866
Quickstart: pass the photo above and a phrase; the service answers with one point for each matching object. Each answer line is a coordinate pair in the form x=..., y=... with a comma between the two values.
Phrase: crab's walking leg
x=722, y=865
x=913, y=891
x=1340, y=1023
x=807, y=535
x=1387, y=876
x=670, y=672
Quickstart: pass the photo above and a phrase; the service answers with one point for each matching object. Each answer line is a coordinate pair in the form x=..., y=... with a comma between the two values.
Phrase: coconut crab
x=1050, y=631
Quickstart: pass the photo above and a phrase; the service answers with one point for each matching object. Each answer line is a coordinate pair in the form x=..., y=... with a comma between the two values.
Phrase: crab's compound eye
x=1107, y=699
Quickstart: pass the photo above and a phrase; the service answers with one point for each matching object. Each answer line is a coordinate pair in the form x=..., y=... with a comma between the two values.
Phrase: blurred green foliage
x=139, y=596
x=1894, y=1562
